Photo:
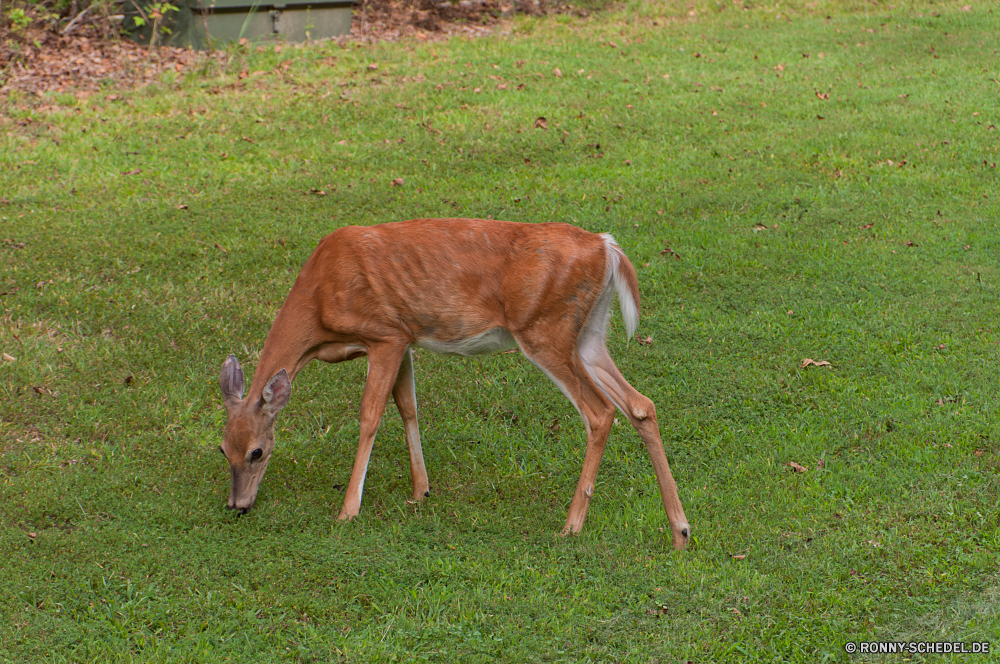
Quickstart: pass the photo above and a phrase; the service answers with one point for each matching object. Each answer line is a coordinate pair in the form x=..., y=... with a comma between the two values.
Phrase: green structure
x=202, y=23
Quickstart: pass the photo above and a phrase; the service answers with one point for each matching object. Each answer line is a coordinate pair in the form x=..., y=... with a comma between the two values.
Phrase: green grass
x=796, y=236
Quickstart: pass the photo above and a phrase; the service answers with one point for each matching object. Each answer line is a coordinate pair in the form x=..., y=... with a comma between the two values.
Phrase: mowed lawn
x=805, y=181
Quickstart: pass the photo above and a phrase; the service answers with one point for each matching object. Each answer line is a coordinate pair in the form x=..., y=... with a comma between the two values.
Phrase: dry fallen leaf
x=823, y=95
x=645, y=342
x=9, y=358
x=557, y=72
x=796, y=467
x=182, y=207
x=397, y=182
x=820, y=464
x=808, y=362
x=32, y=535
x=739, y=556
x=541, y=123
x=132, y=172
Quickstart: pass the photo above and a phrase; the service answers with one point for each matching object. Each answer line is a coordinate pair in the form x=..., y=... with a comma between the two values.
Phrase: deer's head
x=249, y=437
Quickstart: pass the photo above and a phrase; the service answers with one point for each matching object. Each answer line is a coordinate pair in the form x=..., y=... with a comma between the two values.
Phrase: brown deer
x=457, y=286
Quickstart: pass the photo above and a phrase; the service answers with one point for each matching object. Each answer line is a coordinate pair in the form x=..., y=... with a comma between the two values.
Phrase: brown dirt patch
x=91, y=58
x=84, y=62
x=427, y=20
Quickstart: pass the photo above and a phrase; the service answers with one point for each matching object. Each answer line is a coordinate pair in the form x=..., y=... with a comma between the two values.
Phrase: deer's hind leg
x=641, y=413
x=563, y=367
x=404, y=393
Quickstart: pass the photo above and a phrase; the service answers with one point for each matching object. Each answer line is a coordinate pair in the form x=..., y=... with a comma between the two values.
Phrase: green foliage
x=827, y=189
x=155, y=14
x=19, y=20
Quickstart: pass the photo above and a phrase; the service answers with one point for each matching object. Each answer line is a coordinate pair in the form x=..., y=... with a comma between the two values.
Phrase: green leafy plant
x=155, y=15
x=19, y=20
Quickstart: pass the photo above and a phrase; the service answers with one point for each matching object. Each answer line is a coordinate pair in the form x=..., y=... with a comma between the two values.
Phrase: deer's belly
x=489, y=341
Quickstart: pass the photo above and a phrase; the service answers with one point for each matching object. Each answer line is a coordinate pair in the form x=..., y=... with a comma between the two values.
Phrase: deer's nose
x=241, y=510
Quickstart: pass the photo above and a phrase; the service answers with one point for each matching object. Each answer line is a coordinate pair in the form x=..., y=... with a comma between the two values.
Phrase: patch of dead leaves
x=428, y=20
x=85, y=61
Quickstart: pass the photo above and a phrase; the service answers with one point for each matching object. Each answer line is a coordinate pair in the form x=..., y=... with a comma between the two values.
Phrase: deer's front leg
x=383, y=367
x=404, y=392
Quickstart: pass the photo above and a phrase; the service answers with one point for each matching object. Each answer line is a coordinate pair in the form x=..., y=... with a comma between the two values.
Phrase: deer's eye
x=256, y=454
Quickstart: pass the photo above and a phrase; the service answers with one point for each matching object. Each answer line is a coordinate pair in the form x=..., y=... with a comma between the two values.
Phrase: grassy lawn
x=824, y=177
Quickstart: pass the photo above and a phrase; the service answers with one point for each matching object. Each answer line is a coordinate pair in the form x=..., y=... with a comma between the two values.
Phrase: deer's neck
x=290, y=344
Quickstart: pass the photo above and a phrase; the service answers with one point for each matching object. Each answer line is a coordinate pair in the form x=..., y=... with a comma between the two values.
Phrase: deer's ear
x=231, y=381
x=276, y=393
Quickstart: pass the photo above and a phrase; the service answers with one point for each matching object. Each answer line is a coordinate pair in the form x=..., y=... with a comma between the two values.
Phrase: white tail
x=461, y=286
x=628, y=296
